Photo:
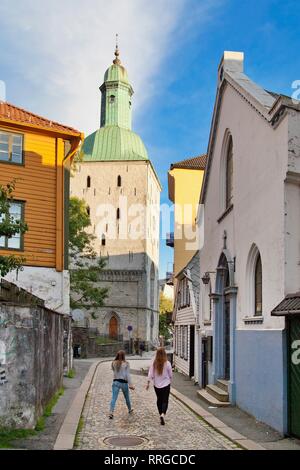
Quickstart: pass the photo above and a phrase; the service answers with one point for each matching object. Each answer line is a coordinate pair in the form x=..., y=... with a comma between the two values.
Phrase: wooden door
x=113, y=328
x=192, y=351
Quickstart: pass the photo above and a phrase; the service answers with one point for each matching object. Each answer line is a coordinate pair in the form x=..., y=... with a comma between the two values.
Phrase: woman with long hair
x=121, y=381
x=160, y=373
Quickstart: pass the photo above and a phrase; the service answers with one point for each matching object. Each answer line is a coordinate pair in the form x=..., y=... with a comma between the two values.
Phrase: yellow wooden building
x=184, y=184
x=37, y=152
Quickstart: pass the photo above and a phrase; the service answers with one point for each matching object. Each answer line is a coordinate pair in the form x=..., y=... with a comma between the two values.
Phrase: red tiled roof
x=194, y=163
x=13, y=113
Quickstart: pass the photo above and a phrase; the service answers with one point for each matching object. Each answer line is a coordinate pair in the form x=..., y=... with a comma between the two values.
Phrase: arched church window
x=258, y=287
x=103, y=240
x=119, y=183
x=88, y=210
x=112, y=98
x=229, y=174
x=118, y=213
x=88, y=182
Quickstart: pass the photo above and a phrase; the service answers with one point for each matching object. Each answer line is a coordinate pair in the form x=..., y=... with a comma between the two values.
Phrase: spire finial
x=117, y=61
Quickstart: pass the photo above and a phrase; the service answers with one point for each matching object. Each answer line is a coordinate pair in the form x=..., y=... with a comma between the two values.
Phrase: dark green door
x=294, y=353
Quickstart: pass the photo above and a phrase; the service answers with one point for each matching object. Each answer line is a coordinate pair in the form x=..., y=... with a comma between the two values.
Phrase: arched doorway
x=222, y=321
x=224, y=272
x=113, y=327
x=224, y=324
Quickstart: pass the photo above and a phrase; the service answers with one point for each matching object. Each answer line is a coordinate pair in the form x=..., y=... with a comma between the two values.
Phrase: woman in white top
x=160, y=373
x=121, y=381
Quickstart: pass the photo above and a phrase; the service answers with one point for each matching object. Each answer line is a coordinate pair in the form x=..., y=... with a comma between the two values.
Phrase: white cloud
x=63, y=48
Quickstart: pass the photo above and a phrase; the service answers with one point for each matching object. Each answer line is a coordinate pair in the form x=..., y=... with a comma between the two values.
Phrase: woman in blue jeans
x=122, y=381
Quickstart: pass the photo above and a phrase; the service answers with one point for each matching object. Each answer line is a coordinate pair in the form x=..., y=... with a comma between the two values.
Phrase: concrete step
x=223, y=384
x=217, y=392
x=210, y=399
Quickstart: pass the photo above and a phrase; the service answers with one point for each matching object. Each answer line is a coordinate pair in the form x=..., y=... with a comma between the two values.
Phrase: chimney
x=230, y=62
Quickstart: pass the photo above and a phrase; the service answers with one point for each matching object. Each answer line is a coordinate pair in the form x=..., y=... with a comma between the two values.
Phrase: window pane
x=17, y=139
x=229, y=172
x=4, y=153
x=14, y=242
x=3, y=137
x=258, y=287
x=15, y=210
x=3, y=147
x=2, y=241
x=16, y=157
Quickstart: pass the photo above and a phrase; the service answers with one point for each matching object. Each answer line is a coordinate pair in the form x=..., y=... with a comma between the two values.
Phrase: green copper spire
x=114, y=141
x=116, y=96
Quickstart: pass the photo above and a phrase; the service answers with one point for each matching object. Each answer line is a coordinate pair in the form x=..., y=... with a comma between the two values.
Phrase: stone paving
x=183, y=429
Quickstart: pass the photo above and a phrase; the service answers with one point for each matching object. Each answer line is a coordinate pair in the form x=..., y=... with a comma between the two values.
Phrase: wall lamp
x=206, y=277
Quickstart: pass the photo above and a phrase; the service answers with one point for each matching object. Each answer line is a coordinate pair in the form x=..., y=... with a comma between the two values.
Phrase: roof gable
x=269, y=106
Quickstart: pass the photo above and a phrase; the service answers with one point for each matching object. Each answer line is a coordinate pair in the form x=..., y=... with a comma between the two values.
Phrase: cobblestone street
x=183, y=429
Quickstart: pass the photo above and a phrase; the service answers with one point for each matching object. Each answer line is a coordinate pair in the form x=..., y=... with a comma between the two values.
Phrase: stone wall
x=31, y=356
x=86, y=338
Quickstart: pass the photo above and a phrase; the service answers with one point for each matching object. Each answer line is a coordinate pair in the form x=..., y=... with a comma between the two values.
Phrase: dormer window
x=112, y=98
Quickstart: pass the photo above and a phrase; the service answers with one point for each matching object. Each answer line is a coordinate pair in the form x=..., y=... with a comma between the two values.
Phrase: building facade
x=119, y=184
x=186, y=319
x=37, y=152
x=184, y=186
x=250, y=257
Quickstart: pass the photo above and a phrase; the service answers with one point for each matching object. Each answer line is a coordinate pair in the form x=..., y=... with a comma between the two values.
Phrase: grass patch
x=9, y=435
x=71, y=374
x=40, y=425
x=79, y=429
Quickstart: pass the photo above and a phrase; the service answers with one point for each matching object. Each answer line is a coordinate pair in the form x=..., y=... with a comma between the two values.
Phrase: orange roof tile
x=15, y=114
x=194, y=163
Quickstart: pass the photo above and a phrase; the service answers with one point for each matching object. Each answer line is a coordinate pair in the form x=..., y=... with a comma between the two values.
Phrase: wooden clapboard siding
x=181, y=365
x=184, y=317
x=38, y=182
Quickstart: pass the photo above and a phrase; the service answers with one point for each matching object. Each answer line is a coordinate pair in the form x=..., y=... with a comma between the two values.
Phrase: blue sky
x=53, y=58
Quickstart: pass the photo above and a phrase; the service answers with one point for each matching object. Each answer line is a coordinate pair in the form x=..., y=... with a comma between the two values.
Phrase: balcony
x=170, y=239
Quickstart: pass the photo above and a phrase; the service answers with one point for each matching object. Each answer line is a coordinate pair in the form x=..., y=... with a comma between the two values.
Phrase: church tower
x=119, y=184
